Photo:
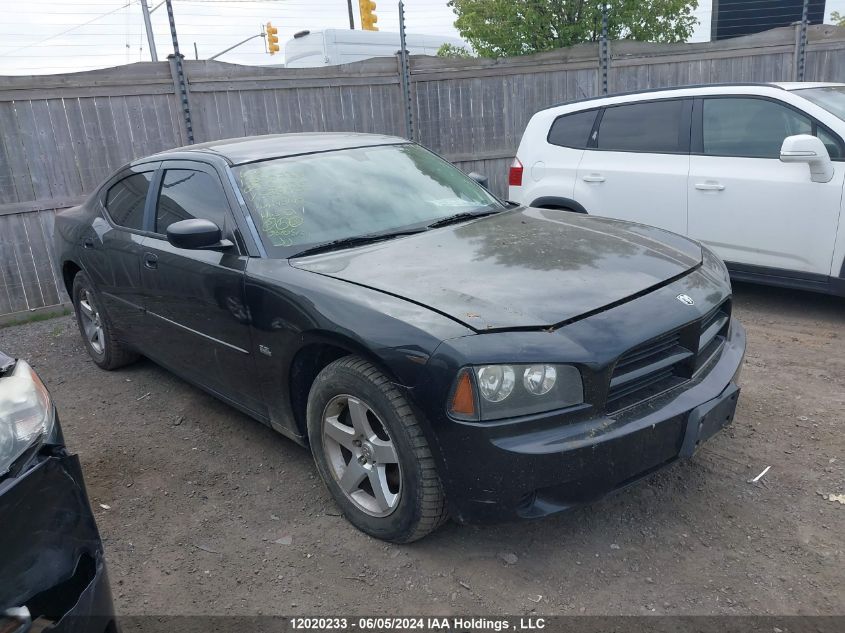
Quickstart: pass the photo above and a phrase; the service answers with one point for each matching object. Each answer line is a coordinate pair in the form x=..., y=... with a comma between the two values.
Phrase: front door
x=744, y=203
x=636, y=168
x=195, y=298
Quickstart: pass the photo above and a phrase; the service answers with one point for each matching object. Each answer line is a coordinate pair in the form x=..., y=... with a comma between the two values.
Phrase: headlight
x=493, y=392
x=25, y=413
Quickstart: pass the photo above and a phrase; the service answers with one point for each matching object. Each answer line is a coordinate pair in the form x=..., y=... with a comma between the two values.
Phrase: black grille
x=667, y=361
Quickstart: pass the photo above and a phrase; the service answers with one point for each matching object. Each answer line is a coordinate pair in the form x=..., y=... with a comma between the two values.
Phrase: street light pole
x=251, y=37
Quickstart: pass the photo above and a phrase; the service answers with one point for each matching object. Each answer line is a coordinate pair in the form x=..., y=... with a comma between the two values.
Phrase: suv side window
x=572, y=130
x=654, y=127
x=186, y=194
x=753, y=128
x=126, y=198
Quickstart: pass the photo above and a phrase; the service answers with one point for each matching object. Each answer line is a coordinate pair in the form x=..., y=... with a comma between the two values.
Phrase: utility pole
x=351, y=18
x=148, y=25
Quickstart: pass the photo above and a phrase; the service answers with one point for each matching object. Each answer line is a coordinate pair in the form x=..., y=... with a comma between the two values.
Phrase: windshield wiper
x=462, y=217
x=355, y=240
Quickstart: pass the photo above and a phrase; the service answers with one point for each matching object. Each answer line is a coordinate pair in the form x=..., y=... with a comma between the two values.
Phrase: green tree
x=837, y=18
x=504, y=28
x=450, y=50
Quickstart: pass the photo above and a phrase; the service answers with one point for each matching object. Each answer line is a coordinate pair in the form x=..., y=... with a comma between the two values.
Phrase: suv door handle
x=150, y=260
x=593, y=178
x=709, y=186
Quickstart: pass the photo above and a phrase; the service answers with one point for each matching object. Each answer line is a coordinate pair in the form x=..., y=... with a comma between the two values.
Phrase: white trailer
x=329, y=47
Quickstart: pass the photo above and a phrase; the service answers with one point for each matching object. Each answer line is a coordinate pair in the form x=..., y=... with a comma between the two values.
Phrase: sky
x=53, y=36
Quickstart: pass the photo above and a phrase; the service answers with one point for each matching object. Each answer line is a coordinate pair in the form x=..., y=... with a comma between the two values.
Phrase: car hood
x=517, y=269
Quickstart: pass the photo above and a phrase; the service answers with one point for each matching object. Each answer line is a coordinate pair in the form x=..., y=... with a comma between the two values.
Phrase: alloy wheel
x=91, y=323
x=361, y=455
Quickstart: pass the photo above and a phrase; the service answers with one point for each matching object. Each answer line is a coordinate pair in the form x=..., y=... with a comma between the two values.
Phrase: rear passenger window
x=644, y=127
x=125, y=200
x=572, y=130
x=187, y=194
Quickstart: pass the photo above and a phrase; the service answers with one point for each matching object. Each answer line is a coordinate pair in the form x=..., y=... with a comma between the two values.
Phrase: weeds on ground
x=40, y=316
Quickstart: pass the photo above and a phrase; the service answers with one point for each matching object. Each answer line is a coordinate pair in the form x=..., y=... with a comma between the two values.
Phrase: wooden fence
x=60, y=135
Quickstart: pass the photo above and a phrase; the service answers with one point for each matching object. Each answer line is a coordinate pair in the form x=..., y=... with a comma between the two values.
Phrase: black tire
x=114, y=353
x=421, y=506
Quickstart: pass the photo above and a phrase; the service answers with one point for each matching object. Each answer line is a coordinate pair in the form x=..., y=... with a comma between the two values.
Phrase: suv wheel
x=371, y=453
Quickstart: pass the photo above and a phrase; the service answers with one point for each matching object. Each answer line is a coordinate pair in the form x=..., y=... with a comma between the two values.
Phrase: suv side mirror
x=481, y=179
x=803, y=148
x=196, y=233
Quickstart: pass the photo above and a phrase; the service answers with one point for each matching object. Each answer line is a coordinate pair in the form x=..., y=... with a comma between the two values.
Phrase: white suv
x=753, y=171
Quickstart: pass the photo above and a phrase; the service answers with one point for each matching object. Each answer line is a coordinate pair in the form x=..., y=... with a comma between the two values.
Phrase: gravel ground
x=213, y=513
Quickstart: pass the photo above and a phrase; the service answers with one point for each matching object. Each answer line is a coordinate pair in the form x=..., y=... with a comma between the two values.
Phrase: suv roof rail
x=762, y=84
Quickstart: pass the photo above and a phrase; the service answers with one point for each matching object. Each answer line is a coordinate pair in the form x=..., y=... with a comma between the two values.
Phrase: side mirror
x=196, y=234
x=481, y=179
x=803, y=148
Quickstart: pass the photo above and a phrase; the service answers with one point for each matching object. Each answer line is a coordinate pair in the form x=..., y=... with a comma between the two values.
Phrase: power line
x=73, y=28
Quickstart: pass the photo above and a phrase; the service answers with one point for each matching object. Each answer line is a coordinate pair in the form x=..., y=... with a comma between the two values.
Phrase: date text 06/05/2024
x=418, y=624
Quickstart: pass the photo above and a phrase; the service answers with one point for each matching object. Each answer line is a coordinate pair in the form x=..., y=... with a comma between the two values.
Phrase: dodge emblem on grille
x=686, y=300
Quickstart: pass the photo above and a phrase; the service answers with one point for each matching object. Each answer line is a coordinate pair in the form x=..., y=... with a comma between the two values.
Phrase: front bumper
x=559, y=464
x=51, y=555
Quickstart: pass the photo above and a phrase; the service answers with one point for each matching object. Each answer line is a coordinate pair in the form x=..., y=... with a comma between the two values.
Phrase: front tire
x=96, y=328
x=371, y=453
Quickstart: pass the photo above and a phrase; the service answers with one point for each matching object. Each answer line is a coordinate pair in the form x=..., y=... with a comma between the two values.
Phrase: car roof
x=690, y=90
x=800, y=85
x=248, y=149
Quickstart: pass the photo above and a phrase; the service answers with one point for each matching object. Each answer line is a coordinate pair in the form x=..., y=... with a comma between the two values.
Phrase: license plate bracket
x=709, y=418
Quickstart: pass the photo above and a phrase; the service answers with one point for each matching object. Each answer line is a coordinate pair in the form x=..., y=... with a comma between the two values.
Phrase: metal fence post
x=801, y=53
x=604, y=58
x=180, y=83
x=405, y=72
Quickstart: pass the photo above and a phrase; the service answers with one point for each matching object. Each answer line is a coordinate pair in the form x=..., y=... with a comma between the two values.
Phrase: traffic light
x=272, y=39
x=368, y=15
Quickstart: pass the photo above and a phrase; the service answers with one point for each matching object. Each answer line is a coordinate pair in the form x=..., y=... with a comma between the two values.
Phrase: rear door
x=637, y=164
x=111, y=250
x=195, y=298
x=746, y=204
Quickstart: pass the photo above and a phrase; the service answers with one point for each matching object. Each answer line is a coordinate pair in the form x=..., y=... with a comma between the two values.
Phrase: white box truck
x=329, y=47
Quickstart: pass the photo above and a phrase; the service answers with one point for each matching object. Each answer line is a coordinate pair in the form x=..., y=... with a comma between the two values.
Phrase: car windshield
x=831, y=98
x=301, y=201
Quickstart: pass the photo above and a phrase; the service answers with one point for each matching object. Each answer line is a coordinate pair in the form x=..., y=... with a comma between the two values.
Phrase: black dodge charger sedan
x=440, y=351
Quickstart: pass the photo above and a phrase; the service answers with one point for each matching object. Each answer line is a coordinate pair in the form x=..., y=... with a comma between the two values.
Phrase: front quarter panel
x=291, y=309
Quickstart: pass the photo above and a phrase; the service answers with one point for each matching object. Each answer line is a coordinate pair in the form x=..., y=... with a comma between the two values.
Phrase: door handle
x=593, y=178
x=88, y=242
x=709, y=186
x=150, y=260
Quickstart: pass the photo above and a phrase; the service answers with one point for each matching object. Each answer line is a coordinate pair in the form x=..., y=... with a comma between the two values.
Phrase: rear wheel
x=95, y=327
x=371, y=453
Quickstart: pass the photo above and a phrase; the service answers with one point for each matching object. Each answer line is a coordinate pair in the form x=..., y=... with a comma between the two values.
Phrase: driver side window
x=186, y=194
x=755, y=128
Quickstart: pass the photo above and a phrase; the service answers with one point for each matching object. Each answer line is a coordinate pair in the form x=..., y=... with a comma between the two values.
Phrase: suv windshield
x=831, y=98
x=317, y=198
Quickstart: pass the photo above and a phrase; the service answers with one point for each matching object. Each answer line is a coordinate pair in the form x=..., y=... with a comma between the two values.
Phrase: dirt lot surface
x=211, y=512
